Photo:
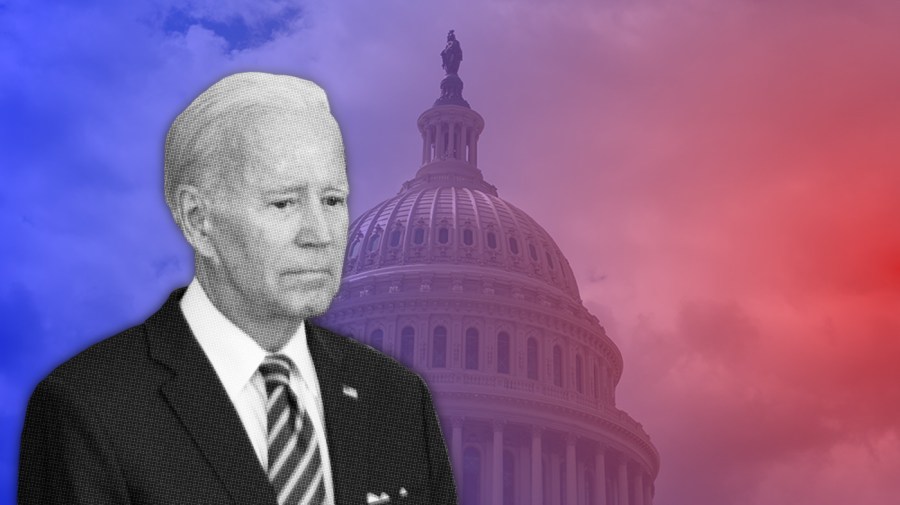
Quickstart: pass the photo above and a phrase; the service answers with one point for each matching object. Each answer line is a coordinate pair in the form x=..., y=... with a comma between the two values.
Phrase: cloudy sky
x=723, y=175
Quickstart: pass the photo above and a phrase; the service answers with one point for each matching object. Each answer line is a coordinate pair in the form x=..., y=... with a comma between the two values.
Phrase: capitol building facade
x=474, y=295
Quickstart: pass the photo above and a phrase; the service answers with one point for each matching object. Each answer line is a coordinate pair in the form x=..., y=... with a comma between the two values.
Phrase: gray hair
x=206, y=136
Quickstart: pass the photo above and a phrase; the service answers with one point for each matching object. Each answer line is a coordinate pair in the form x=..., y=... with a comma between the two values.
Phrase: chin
x=307, y=307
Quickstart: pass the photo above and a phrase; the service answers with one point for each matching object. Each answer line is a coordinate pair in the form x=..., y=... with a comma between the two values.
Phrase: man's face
x=279, y=219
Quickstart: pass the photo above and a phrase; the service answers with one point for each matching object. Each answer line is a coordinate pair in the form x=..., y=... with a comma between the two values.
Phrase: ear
x=193, y=215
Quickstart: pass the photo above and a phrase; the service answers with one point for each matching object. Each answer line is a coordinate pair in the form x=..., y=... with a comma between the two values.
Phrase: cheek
x=245, y=245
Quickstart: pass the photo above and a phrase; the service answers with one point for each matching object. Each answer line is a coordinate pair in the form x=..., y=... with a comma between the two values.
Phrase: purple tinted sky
x=721, y=174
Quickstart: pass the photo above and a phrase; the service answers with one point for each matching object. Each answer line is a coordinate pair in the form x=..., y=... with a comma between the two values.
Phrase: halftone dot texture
x=295, y=468
x=143, y=417
x=211, y=127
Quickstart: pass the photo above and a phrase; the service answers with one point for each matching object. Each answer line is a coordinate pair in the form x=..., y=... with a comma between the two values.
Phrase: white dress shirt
x=236, y=359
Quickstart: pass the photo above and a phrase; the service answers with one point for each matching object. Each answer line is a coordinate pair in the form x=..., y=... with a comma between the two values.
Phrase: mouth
x=307, y=276
x=309, y=272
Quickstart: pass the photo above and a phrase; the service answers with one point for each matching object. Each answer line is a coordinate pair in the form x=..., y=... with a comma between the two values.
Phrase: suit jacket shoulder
x=102, y=372
x=140, y=417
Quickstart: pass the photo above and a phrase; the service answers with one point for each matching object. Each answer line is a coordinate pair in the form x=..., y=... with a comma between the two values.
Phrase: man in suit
x=228, y=394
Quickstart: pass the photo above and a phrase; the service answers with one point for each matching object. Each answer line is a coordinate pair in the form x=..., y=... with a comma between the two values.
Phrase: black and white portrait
x=229, y=394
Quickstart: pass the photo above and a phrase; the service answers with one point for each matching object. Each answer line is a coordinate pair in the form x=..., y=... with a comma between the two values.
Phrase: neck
x=268, y=330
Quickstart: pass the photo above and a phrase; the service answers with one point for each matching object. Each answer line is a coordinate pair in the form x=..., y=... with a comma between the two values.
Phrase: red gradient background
x=724, y=178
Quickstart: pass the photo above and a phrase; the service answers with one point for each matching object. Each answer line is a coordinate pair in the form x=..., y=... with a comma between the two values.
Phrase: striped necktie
x=295, y=465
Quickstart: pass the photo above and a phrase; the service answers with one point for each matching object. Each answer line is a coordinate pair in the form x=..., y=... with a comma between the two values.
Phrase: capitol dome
x=474, y=295
x=449, y=215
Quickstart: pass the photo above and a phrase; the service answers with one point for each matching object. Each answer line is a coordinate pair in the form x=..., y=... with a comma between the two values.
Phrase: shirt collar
x=234, y=355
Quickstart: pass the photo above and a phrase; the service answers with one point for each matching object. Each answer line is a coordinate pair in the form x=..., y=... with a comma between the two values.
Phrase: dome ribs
x=478, y=224
x=411, y=222
x=390, y=224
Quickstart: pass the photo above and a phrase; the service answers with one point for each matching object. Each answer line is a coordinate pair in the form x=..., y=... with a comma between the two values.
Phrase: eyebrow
x=303, y=187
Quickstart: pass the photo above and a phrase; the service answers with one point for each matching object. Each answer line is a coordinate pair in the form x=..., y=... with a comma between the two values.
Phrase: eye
x=333, y=201
x=283, y=204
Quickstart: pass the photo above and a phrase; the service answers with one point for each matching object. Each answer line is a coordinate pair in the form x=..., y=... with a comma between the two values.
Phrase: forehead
x=274, y=148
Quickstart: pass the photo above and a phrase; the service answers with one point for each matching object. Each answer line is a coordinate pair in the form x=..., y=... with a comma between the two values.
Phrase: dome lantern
x=450, y=130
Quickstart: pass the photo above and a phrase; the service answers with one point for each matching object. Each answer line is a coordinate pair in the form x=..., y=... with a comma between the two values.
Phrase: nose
x=315, y=228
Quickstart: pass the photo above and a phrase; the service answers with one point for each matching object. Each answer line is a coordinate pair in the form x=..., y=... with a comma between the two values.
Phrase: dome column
x=537, y=473
x=426, y=146
x=440, y=151
x=555, y=477
x=498, y=463
x=600, y=475
x=450, y=134
x=638, y=486
x=451, y=137
x=622, y=487
x=571, y=472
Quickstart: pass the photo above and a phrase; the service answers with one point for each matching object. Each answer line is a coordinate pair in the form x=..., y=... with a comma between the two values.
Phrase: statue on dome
x=451, y=85
x=451, y=56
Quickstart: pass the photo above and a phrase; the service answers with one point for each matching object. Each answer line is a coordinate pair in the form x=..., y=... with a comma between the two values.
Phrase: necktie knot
x=276, y=368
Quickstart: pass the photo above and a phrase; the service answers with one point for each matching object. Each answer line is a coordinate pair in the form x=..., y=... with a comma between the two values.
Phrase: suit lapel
x=203, y=407
x=341, y=411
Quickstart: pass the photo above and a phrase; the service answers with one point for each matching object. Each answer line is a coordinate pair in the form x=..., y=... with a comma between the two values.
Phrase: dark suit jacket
x=142, y=418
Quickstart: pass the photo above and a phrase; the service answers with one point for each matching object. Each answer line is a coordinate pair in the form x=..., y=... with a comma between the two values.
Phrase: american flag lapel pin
x=351, y=392
x=374, y=499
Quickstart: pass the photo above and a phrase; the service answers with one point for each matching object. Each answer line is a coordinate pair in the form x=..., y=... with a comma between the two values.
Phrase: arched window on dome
x=396, y=235
x=472, y=338
x=374, y=241
x=503, y=352
x=532, y=365
x=549, y=260
x=443, y=235
x=532, y=251
x=468, y=237
x=492, y=240
x=557, y=366
x=407, y=345
x=579, y=374
x=509, y=478
x=513, y=245
x=439, y=348
x=419, y=236
x=376, y=339
x=354, y=248
x=471, y=484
